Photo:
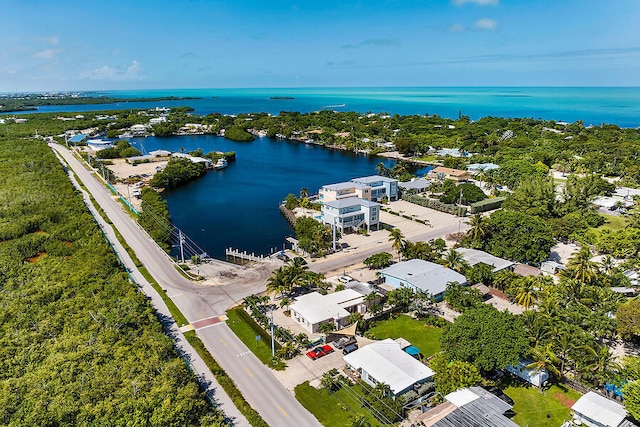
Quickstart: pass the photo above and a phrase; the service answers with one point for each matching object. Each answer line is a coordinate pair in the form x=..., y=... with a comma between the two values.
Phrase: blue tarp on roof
x=412, y=350
x=78, y=138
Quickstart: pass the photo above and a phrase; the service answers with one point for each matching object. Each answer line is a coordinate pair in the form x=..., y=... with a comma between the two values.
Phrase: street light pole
x=273, y=342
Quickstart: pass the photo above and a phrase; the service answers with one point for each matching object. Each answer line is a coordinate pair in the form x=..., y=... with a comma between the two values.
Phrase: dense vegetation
x=121, y=149
x=79, y=344
x=155, y=217
x=30, y=102
x=179, y=170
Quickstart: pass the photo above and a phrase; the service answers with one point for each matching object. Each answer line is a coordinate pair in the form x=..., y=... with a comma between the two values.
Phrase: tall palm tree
x=545, y=358
x=602, y=363
x=606, y=265
x=581, y=268
x=526, y=295
x=382, y=169
x=276, y=284
x=397, y=239
x=454, y=260
x=478, y=230
x=382, y=389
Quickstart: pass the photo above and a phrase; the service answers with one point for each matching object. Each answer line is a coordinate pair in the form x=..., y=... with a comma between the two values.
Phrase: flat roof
x=449, y=171
x=626, y=192
x=78, y=138
x=316, y=308
x=343, y=186
x=483, y=166
x=600, y=409
x=428, y=276
x=386, y=362
x=350, y=201
x=373, y=178
x=475, y=256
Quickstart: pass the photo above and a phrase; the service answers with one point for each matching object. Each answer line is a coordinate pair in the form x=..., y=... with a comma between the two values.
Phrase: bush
x=435, y=204
x=487, y=205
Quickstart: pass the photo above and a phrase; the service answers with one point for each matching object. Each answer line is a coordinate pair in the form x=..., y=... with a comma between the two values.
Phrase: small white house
x=386, y=362
x=537, y=377
x=313, y=309
x=593, y=410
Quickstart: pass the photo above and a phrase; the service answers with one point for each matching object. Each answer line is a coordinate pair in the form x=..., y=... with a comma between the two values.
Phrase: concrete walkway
x=213, y=390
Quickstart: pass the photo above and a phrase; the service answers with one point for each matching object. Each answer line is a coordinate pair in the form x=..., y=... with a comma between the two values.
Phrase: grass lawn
x=426, y=338
x=427, y=158
x=335, y=409
x=548, y=408
x=247, y=330
x=613, y=223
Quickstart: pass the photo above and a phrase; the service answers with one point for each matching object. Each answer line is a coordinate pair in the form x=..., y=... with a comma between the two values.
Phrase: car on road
x=282, y=257
x=344, y=279
x=343, y=342
x=350, y=348
x=319, y=352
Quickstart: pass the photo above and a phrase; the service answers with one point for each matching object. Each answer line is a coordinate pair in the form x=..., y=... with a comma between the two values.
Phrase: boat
x=221, y=163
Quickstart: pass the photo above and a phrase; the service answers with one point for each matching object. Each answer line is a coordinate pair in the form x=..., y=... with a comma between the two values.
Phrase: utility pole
x=273, y=341
x=333, y=229
x=181, y=239
x=460, y=212
x=129, y=194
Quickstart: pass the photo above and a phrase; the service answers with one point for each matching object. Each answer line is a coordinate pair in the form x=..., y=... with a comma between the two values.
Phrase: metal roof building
x=421, y=275
x=475, y=256
x=386, y=362
x=594, y=410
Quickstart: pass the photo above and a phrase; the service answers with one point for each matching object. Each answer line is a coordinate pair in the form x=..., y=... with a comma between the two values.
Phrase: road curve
x=260, y=388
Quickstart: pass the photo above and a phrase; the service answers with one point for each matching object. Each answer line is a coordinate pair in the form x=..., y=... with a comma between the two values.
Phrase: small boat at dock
x=221, y=163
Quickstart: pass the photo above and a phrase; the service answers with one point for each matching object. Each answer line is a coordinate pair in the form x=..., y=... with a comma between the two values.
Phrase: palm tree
x=359, y=420
x=285, y=302
x=526, y=295
x=581, y=268
x=601, y=364
x=382, y=169
x=276, y=284
x=396, y=236
x=454, y=260
x=545, y=358
x=478, y=229
x=382, y=389
x=606, y=265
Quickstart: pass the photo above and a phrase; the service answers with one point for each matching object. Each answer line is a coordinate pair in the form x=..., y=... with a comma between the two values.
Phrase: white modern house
x=343, y=190
x=313, y=309
x=372, y=188
x=351, y=214
x=593, y=410
x=381, y=186
x=421, y=276
x=386, y=362
x=475, y=256
x=99, y=144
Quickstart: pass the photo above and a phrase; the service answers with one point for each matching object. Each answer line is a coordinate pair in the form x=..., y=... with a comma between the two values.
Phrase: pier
x=235, y=255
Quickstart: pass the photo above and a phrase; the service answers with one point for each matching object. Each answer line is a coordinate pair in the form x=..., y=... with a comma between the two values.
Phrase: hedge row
x=487, y=205
x=435, y=204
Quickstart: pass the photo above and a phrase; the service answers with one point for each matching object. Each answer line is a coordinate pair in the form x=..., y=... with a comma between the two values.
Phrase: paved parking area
x=301, y=368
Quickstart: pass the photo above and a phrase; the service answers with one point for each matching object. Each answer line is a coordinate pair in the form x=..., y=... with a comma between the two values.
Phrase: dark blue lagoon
x=238, y=206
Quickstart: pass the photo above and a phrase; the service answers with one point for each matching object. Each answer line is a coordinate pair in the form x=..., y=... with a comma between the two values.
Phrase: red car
x=319, y=352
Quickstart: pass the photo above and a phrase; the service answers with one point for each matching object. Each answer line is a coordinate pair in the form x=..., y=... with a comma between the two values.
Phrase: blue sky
x=140, y=44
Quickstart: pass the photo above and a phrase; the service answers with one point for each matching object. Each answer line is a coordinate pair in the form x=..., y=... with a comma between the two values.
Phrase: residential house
x=381, y=186
x=415, y=185
x=452, y=152
x=78, y=139
x=473, y=406
x=342, y=190
x=386, y=362
x=99, y=144
x=482, y=167
x=475, y=256
x=421, y=276
x=313, y=309
x=351, y=214
x=594, y=410
x=457, y=175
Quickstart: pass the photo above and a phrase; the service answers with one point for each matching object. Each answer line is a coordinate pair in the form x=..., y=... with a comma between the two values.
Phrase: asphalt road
x=260, y=388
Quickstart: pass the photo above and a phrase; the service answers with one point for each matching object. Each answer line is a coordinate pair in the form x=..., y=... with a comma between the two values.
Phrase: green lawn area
x=425, y=337
x=247, y=330
x=535, y=408
x=613, y=223
x=427, y=158
x=333, y=410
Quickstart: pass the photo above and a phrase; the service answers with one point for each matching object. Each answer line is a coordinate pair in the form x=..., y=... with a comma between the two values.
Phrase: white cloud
x=45, y=54
x=485, y=24
x=478, y=2
x=457, y=28
x=130, y=72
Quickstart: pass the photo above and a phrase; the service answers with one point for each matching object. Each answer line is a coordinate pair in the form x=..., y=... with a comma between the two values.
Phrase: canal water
x=238, y=206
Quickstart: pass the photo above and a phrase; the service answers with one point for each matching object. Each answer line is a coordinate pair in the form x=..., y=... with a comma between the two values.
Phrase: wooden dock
x=235, y=255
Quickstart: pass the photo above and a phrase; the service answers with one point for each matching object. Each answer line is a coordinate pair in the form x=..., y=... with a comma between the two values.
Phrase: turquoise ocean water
x=591, y=105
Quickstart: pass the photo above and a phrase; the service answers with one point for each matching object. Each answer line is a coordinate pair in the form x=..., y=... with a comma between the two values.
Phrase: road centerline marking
x=250, y=374
x=283, y=411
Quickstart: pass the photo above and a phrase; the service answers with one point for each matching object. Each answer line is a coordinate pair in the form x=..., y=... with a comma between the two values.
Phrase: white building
x=351, y=214
x=593, y=410
x=313, y=309
x=385, y=362
x=475, y=256
x=422, y=276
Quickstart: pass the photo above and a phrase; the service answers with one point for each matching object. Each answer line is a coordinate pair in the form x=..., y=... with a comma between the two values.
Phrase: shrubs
x=435, y=204
x=487, y=205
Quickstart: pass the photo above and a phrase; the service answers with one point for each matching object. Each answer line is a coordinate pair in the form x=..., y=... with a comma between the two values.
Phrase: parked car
x=344, y=279
x=282, y=257
x=318, y=352
x=350, y=348
x=343, y=342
